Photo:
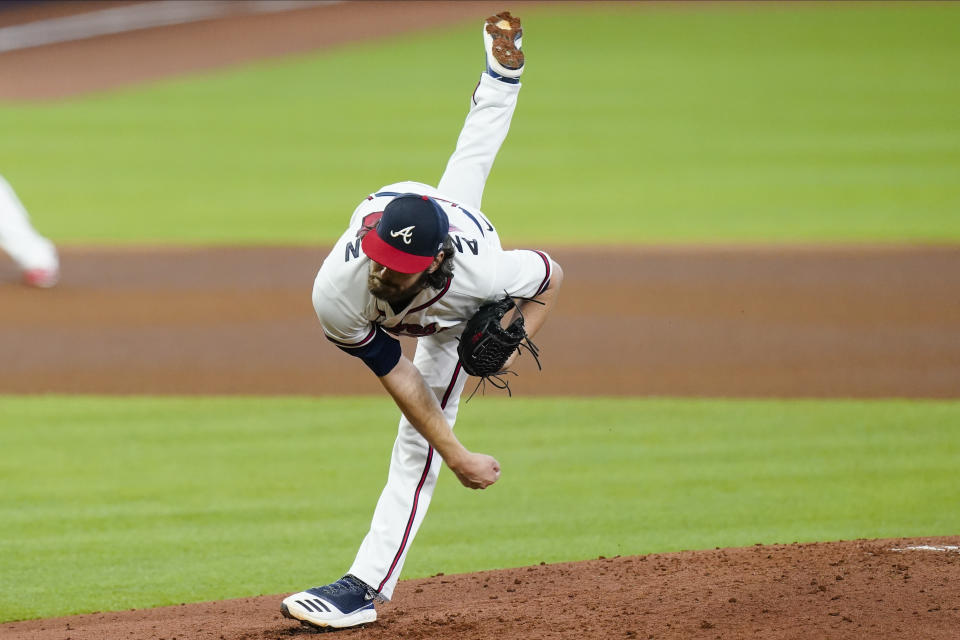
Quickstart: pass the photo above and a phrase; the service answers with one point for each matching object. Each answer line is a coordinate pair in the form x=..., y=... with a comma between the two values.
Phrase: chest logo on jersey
x=414, y=330
x=368, y=224
x=406, y=233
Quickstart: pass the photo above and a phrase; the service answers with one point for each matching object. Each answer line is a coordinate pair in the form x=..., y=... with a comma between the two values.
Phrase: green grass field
x=670, y=124
x=136, y=502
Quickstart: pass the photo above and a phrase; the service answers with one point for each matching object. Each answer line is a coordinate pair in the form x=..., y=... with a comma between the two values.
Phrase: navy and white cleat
x=502, y=39
x=348, y=602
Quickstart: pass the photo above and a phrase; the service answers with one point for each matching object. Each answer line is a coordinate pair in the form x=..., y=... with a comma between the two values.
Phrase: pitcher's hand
x=476, y=470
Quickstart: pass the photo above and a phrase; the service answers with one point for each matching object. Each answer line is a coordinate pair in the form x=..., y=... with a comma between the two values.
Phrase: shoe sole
x=356, y=620
x=40, y=278
x=504, y=29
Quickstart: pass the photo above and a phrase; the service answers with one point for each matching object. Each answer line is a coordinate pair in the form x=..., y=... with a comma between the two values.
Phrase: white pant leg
x=414, y=467
x=28, y=248
x=483, y=133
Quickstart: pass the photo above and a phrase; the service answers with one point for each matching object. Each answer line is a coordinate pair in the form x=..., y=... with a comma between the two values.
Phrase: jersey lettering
x=414, y=330
x=473, y=244
x=353, y=251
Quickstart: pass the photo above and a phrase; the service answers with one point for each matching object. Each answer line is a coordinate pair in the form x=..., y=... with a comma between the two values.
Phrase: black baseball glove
x=486, y=345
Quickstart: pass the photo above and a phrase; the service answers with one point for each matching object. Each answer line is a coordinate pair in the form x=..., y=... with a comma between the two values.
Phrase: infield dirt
x=747, y=322
x=858, y=589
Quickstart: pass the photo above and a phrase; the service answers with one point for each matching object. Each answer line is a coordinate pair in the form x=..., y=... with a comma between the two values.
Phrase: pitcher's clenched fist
x=477, y=470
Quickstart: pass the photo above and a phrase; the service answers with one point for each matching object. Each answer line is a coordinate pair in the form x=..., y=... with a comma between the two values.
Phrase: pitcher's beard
x=392, y=293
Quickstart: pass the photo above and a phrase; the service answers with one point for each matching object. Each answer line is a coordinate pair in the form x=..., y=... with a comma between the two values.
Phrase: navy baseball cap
x=410, y=234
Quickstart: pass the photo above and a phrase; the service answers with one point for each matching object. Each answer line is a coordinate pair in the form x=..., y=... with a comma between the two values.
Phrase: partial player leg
x=492, y=106
x=414, y=467
x=34, y=254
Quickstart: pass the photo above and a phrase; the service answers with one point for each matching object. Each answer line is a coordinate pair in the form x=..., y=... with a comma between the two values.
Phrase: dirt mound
x=857, y=589
x=233, y=34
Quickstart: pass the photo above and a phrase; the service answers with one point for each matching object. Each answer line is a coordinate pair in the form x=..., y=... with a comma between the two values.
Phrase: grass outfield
x=137, y=502
x=717, y=123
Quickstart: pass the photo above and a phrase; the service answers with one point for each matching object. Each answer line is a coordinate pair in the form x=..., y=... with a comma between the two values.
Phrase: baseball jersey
x=358, y=323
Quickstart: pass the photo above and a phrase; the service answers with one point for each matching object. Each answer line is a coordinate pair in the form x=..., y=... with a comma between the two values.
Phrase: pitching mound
x=845, y=589
x=859, y=589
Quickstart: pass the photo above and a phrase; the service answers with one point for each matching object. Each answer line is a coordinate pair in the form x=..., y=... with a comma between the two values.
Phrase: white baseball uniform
x=18, y=238
x=356, y=321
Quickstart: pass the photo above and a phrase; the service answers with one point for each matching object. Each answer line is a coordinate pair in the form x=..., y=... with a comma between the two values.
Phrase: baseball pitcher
x=420, y=261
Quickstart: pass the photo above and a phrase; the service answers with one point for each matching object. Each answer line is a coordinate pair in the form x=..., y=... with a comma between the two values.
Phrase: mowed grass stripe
x=138, y=502
x=637, y=123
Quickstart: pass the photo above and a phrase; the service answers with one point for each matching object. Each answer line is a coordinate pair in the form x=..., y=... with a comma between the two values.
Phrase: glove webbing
x=498, y=380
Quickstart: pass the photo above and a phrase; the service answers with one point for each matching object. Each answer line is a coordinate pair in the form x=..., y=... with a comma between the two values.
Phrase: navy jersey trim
x=354, y=345
x=446, y=395
x=443, y=291
x=416, y=493
x=546, y=279
x=475, y=221
x=467, y=213
x=413, y=513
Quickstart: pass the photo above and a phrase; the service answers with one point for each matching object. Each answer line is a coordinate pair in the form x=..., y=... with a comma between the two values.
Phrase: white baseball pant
x=18, y=238
x=414, y=465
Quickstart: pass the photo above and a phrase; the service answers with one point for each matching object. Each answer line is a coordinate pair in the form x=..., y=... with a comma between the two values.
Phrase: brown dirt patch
x=858, y=589
x=69, y=68
x=753, y=322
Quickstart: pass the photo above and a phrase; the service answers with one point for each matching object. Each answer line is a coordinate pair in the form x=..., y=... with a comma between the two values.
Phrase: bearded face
x=393, y=286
